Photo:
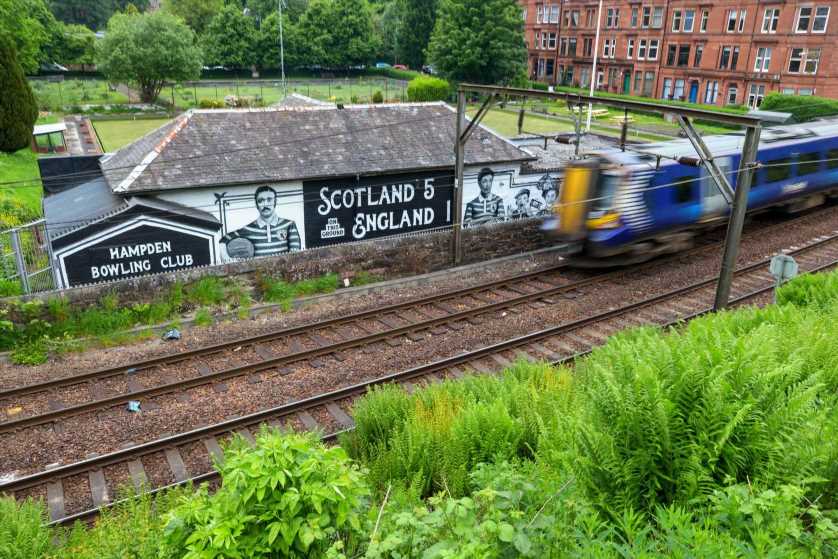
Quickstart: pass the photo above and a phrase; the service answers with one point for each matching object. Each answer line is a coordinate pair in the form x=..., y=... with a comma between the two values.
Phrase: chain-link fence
x=25, y=262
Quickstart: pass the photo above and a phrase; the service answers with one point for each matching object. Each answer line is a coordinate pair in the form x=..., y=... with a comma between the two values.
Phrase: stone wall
x=390, y=257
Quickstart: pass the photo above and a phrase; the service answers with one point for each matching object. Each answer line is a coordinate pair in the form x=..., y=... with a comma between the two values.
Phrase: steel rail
x=298, y=406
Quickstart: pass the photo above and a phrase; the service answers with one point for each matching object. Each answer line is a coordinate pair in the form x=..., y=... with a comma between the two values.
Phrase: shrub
x=817, y=290
x=377, y=97
x=803, y=107
x=203, y=317
x=23, y=531
x=427, y=88
x=209, y=290
x=287, y=496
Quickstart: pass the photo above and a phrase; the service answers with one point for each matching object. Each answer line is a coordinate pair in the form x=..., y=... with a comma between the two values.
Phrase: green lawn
x=20, y=200
x=115, y=134
x=55, y=95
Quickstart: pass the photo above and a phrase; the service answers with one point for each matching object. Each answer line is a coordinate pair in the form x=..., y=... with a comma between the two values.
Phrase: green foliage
x=338, y=33
x=148, y=49
x=735, y=397
x=428, y=88
x=277, y=290
x=816, y=290
x=18, y=110
x=75, y=44
x=209, y=290
x=33, y=352
x=478, y=41
x=378, y=97
x=230, y=39
x=211, y=104
x=414, y=33
x=31, y=27
x=289, y=496
x=23, y=531
x=203, y=317
x=295, y=43
x=803, y=107
x=197, y=14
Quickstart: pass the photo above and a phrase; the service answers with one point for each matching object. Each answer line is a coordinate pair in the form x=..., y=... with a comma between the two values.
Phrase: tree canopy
x=230, y=39
x=148, y=49
x=416, y=25
x=32, y=27
x=339, y=33
x=93, y=14
x=479, y=40
x=196, y=13
x=18, y=109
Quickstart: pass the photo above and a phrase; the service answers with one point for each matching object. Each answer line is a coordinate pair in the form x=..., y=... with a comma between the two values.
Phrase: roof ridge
x=180, y=124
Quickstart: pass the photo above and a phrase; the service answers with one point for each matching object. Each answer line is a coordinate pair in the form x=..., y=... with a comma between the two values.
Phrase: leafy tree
x=75, y=44
x=32, y=27
x=387, y=20
x=230, y=39
x=261, y=9
x=478, y=40
x=339, y=33
x=196, y=13
x=18, y=109
x=268, y=43
x=93, y=14
x=148, y=49
x=414, y=33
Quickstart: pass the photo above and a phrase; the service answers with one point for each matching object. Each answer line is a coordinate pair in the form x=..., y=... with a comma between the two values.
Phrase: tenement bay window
x=804, y=61
x=812, y=18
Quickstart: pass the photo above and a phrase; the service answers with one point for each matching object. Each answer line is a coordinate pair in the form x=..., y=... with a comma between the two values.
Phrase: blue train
x=622, y=207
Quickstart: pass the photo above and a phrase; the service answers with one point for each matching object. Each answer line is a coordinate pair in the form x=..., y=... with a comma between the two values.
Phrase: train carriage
x=617, y=206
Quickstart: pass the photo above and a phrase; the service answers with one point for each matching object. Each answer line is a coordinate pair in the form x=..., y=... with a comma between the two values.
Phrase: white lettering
x=429, y=189
x=325, y=207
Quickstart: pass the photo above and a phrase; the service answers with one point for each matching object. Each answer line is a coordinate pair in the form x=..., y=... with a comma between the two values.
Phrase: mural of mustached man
x=549, y=193
x=487, y=207
x=269, y=234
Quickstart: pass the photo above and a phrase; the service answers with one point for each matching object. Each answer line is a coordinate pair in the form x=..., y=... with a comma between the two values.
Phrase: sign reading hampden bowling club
x=218, y=186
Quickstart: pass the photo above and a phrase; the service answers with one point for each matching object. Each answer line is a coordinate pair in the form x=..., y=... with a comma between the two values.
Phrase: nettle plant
x=285, y=496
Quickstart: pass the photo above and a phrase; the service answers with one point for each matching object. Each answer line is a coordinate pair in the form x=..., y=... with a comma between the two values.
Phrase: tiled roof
x=207, y=148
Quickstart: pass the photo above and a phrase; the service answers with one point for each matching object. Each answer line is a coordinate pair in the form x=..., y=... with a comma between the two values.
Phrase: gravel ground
x=31, y=449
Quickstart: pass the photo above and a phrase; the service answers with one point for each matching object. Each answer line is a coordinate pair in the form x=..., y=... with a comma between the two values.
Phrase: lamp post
x=281, y=49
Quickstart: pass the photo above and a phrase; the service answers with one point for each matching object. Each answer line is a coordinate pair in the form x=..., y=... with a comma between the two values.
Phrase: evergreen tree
x=479, y=41
x=268, y=43
x=417, y=24
x=18, y=109
x=338, y=33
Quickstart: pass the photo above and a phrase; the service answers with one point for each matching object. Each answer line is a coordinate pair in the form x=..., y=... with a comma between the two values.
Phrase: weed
x=209, y=290
x=30, y=353
x=203, y=317
x=23, y=531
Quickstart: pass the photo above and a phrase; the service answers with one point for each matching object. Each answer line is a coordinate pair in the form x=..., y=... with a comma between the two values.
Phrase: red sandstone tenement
x=719, y=53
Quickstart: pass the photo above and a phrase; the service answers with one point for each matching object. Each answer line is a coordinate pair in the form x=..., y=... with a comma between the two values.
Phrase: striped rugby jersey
x=484, y=210
x=268, y=237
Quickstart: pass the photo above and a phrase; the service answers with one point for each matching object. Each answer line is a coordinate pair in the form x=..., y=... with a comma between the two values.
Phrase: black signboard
x=350, y=209
x=143, y=250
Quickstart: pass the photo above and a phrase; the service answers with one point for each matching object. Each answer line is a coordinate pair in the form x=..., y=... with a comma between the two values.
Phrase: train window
x=778, y=169
x=832, y=158
x=683, y=189
x=808, y=163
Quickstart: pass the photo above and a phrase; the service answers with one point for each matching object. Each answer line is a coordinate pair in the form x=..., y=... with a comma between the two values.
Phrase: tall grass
x=23, y=532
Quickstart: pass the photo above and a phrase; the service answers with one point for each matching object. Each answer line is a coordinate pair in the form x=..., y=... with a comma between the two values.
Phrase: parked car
x=52, y=67
x=400, y=67
x=429, y=69
x=382, y=65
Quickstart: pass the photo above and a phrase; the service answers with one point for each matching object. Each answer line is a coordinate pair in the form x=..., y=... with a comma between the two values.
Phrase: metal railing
x=26, y=260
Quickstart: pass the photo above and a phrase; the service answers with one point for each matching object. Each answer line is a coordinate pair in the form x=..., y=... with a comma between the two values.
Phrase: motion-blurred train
x=619, y=207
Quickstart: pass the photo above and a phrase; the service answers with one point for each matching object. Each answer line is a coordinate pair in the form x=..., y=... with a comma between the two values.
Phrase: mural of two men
x=269, y=234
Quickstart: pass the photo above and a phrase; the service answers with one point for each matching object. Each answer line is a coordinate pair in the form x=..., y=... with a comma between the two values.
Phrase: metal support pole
x=707, y=159
x=20, y=264
x=459, y=171
x=737, y=216
x=593, y=69
x=624, y=130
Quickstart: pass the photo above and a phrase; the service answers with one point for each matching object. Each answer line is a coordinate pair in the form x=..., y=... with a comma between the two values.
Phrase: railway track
x=187, y=456
x=277, y=353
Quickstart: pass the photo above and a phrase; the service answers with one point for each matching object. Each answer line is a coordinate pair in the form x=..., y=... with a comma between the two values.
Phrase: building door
x=626, y=82
x=693, y=92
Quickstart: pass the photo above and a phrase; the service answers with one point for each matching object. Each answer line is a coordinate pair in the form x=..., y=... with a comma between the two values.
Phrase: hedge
x=428, y=88
x=804, y=108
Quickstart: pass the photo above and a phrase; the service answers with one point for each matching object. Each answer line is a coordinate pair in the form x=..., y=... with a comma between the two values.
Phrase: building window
x=544, y=40
x=804, y=61
x=699, y=51
x=634, y=16
x=678, y=92
x=571, y=47
x=770, y=20
x=612, y=18
x=763, y=59
x=724, y=58
x=732, y=92
x=638, y=80
x=554, y=13
x=571, y=18
x=787, y=91
x=648, y=84
x=641, y=49
x=756, y=95
x=711, y=92
x=524, y=13
x=539, y=13
x=550, y=66
x=821, y=19
x=609, y=48
x=736, y=21
x=647, y=16
x=541, y=62
x=734, y=58
x=705, y=15
x=551, y=42
x=676, y=20
x=667, y=88
x=670, y=55
x=653, y=49
x=684, y=55
x=630, y=48
x=613, y=77
x=587, y=46
x=590, y=15
x=585, y=77
x=600, y=78
x=657, y=17
x=689, y=21
x=805, y=91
